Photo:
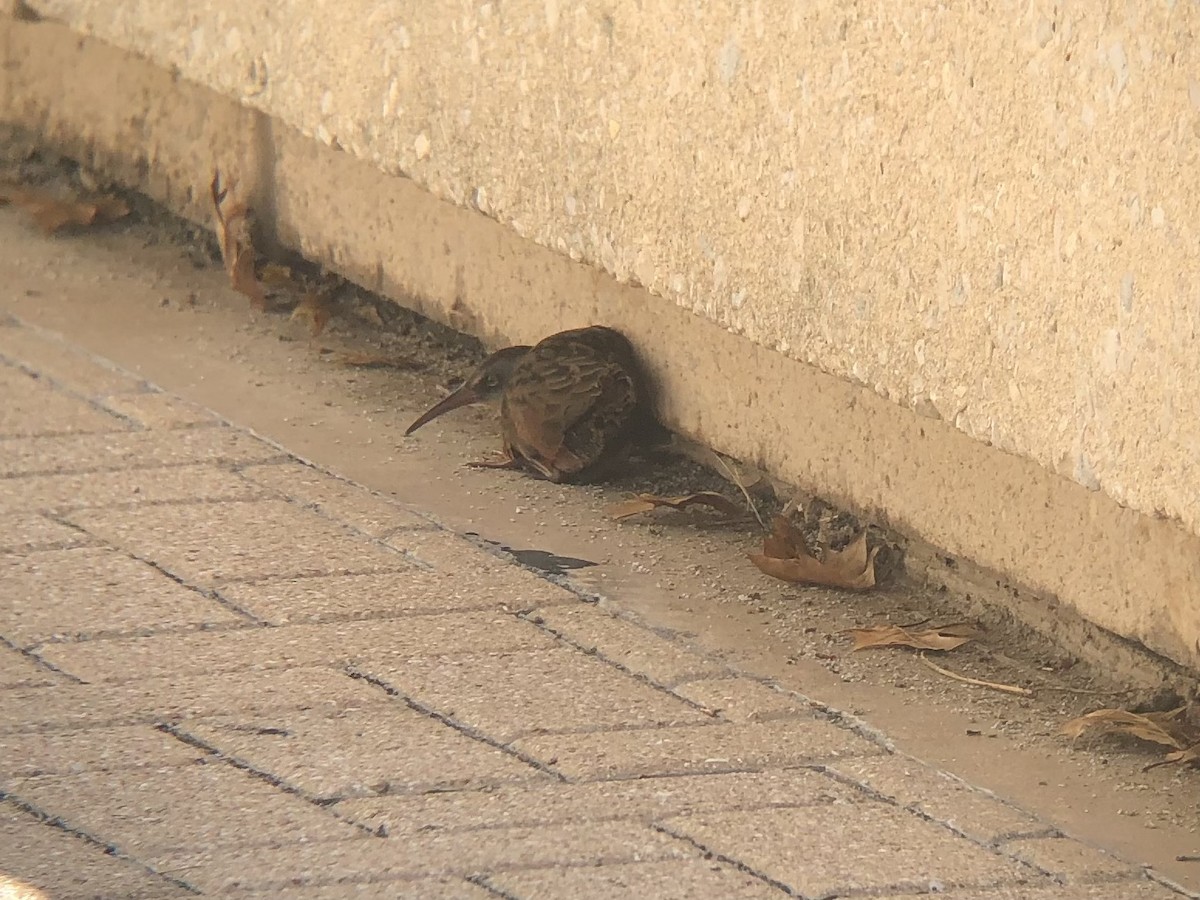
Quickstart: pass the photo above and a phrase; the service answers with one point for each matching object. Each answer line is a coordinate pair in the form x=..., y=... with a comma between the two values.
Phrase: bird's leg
x=505, y=459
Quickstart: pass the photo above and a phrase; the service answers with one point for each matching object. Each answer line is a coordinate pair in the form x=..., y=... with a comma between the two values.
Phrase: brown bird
x=569, y=406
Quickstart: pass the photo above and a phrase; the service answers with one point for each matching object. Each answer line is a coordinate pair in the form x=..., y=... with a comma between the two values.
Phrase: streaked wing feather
x=565, y=404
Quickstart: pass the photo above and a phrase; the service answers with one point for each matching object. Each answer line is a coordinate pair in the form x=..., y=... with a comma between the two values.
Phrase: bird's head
x=485, y=383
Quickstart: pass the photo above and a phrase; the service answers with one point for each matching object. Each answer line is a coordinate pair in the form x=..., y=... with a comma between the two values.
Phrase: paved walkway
x=227, y=673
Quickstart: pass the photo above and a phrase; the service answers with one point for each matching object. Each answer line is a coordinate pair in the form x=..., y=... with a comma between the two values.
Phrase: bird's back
x=572, y=400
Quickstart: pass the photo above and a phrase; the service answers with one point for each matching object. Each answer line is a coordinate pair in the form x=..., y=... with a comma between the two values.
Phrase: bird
x=570, y=405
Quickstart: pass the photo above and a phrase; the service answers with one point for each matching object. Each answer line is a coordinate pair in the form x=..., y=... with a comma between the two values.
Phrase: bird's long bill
x=462, y=397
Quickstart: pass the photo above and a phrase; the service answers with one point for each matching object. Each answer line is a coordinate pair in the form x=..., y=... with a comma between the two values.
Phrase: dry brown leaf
x=786, y=557
x=237, y=250
x=1121, y=721
x=363, y=360
x=947, y=637
x=314, y=309
x=646, y=502
x=51, y=213
x=784, y=541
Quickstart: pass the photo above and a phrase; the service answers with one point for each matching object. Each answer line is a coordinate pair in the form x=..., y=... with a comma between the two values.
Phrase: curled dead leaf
x=233, y=236
x=1161, y=729
x=51, y=213
x=646, y=502
x=785, y=556
x=946, y=637
x=784, y=541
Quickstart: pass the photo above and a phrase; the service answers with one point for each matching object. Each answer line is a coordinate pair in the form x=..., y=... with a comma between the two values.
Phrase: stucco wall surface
x=986, y=212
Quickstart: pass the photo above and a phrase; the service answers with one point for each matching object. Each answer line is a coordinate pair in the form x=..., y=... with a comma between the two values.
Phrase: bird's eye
x=491, y=381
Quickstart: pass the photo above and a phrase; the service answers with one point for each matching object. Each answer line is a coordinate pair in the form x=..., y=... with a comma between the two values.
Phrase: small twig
x=1188, y=857
x=745, y=493
x=995, y=686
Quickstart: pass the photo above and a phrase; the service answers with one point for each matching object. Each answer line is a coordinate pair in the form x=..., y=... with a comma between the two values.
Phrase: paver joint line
x=37, y=660
x=991, y=846
x=206, y=593
x=96, y=470
x=216, y=753
x=57, y=822
x=540, y=623
x=162, y=631
x=483, y=882
x=92, y=401
x=472, y=733
x=304, y=576
x=709, y=853
x=1035, y=834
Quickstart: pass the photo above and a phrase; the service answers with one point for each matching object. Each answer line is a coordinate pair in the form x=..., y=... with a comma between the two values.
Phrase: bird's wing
x=552, y=393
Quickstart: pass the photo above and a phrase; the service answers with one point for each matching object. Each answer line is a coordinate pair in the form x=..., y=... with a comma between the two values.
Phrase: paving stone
x=820, y=851
x=237, y=541
x=385, y=747
x=33, y=407
x=58, y=454
x=718, y=747
x=382, y=642
x=637, y=649
x=341, y=597
x=338, y=499
x=644, y=799
x=131, y=486
x=911, y=783
x=445, y=634
x=148, y=812
x=1123, y=890
x=148, y=700
x=32, y=531
x=65, y=364
x=677, y=879
x=33, y=753
x=509, y=694
x=87, y=590
x=1070, y=860
x=481, y=850
x=156, y=409
x=18, y=670
x=69, y=867
x=416, y=889
x=742, y=699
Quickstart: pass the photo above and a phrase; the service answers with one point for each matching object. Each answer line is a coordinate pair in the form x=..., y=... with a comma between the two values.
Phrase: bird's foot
x=497, y=461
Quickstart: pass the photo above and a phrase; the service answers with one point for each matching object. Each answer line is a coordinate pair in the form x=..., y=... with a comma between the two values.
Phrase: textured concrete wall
x=985, y=212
